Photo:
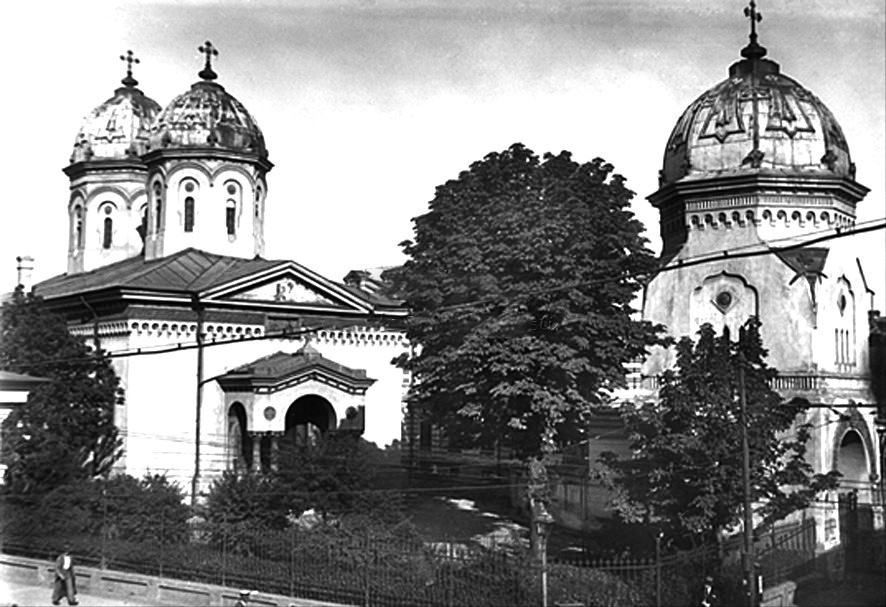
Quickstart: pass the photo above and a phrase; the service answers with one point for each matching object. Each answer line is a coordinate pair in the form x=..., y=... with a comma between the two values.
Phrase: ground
x=862, y=590
x=16, y=593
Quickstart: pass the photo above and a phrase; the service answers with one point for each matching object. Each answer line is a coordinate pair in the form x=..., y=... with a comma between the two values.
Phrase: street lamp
x=542, y=521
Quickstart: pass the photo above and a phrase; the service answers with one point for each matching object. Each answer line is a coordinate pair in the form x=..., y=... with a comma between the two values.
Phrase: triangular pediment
x=283, y=290
x=287, y=284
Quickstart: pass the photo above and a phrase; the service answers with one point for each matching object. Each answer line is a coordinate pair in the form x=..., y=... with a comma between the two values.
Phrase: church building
x=757, y=184
x=223, y=355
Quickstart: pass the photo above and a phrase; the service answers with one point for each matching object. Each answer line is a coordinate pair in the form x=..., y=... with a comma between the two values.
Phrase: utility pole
x=748, y=550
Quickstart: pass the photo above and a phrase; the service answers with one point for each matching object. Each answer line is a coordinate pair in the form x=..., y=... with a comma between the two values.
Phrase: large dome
x=118, y=128
x=207, y=116
x=718, y=135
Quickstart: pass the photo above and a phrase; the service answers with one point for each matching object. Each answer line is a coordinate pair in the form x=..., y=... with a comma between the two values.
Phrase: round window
x=841, y=302
x=724, y=299
x=232, y=189
x=270, y=413
x=108, y=210
x=189, y=187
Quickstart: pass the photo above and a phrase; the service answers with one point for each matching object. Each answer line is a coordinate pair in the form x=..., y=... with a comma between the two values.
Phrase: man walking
x=65, y=583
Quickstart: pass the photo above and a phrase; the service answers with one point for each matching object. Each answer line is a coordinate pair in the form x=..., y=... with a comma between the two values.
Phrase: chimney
x=25, y=269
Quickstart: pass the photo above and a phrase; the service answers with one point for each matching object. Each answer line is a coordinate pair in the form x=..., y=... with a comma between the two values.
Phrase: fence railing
x=371, y=565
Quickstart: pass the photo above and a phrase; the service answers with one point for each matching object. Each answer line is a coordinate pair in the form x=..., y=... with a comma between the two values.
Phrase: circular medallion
x=724, y=299
x=270, y=413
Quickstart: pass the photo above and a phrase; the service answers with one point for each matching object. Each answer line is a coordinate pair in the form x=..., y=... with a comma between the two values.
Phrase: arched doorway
x=852, y=462
x=306, y=419
x=239, y=442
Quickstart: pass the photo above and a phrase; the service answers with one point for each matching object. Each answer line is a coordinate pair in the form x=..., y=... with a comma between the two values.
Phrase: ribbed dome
x=207, y=116
x=118, y=128
x=716, y=135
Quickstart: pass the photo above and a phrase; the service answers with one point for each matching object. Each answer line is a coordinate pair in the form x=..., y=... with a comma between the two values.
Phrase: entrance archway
x=239, y=442
x=306, y=419
x=852, y=462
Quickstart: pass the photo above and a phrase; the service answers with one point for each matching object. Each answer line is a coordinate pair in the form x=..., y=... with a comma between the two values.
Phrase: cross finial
x=210, y=51
x=751, y=13
x=129, y=58
x=753, y=50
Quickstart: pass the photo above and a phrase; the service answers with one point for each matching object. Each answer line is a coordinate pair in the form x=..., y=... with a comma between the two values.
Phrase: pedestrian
x=65, y=582
x=709, y=596
x=245, y=595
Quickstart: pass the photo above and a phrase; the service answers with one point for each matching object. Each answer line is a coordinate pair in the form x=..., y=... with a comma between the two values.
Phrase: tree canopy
x=65, y=431
x=685, y=475
x=520, y=280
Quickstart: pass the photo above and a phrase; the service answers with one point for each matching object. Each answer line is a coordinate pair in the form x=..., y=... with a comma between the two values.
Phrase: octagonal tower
x=107, y=175
x=207, y=164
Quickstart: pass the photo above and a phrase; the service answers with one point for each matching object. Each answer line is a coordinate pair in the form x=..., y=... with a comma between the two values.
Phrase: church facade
x=756, y=185
x=223, y=355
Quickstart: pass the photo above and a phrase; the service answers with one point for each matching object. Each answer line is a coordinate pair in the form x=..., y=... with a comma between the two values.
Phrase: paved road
x=16, y=593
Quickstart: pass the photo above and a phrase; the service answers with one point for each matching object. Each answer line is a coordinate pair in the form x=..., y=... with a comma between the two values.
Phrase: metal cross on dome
x=751, y=13
x=753, y=50
x=210, y=51
x=129, y=58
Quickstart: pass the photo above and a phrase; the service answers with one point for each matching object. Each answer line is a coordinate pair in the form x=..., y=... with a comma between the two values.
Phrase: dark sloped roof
x=281, y=364
x=17, y=381
x=188, y=271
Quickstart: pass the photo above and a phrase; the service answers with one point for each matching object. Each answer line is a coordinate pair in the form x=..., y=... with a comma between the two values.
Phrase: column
x=256, y=451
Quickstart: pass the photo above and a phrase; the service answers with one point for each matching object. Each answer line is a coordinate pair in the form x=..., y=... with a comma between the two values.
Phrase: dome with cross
x=207, y=116
x=757, y=120
x=118, y=128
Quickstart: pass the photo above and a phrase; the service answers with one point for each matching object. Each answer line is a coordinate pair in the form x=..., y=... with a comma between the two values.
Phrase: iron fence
x=360, y=566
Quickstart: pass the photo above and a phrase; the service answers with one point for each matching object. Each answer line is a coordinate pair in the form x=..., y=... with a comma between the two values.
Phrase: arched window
x=232, y=205
x=107, y=228
x=143, y=225
x=189, y=214
x=78, y=228
x=158, y=205
x=231, y=217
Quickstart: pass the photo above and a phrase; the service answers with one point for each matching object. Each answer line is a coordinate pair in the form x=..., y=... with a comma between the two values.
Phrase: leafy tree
x=65, y=432
x=520, y=280
x=685, y=476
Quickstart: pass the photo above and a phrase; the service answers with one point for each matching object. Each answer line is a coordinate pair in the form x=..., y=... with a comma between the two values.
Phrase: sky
x=367, y=106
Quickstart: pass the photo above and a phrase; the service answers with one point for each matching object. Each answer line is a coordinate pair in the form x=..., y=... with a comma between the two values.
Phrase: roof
x=281, y=369
x=188, y=272
x=17, y=381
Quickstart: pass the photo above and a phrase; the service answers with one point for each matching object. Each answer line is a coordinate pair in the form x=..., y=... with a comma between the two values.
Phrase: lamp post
x=542, y=521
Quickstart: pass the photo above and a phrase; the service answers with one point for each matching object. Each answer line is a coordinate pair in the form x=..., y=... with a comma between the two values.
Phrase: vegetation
x=685, y=477
x=520, y=280
x=65, y=432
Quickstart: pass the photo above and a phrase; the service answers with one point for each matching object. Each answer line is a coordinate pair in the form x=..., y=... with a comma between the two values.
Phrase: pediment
x=286, y=289
x=288, y=284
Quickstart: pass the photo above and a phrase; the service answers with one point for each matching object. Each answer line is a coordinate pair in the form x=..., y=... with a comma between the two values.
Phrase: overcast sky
x=367, y=106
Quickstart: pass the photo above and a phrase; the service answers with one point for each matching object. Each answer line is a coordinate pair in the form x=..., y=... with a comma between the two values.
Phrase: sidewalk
x=17, y=593
x=860, y=590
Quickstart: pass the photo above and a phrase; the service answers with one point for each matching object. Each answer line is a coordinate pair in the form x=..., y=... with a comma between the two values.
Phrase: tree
x=520, y=280
x=65, y=432
x=685, y=476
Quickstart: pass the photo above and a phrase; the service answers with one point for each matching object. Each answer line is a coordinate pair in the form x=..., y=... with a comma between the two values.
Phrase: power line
x=718, y=256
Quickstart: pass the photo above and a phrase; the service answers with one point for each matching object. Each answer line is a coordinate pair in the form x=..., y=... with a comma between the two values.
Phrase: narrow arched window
x=189, y=214
x=107, y=230
x=78, y=227
x=231, y=217
x=158, y=206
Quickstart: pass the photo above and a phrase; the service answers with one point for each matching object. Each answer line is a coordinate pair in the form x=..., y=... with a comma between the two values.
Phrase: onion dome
x=207, y=116
x=119, y=128
x=757, y=120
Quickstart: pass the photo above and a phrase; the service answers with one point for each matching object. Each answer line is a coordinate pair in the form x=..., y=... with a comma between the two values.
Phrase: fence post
x=658, y=570
x=291, y=561
x=104, y=562
x=224, y=547
x=365, y=552
x=162, y=540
